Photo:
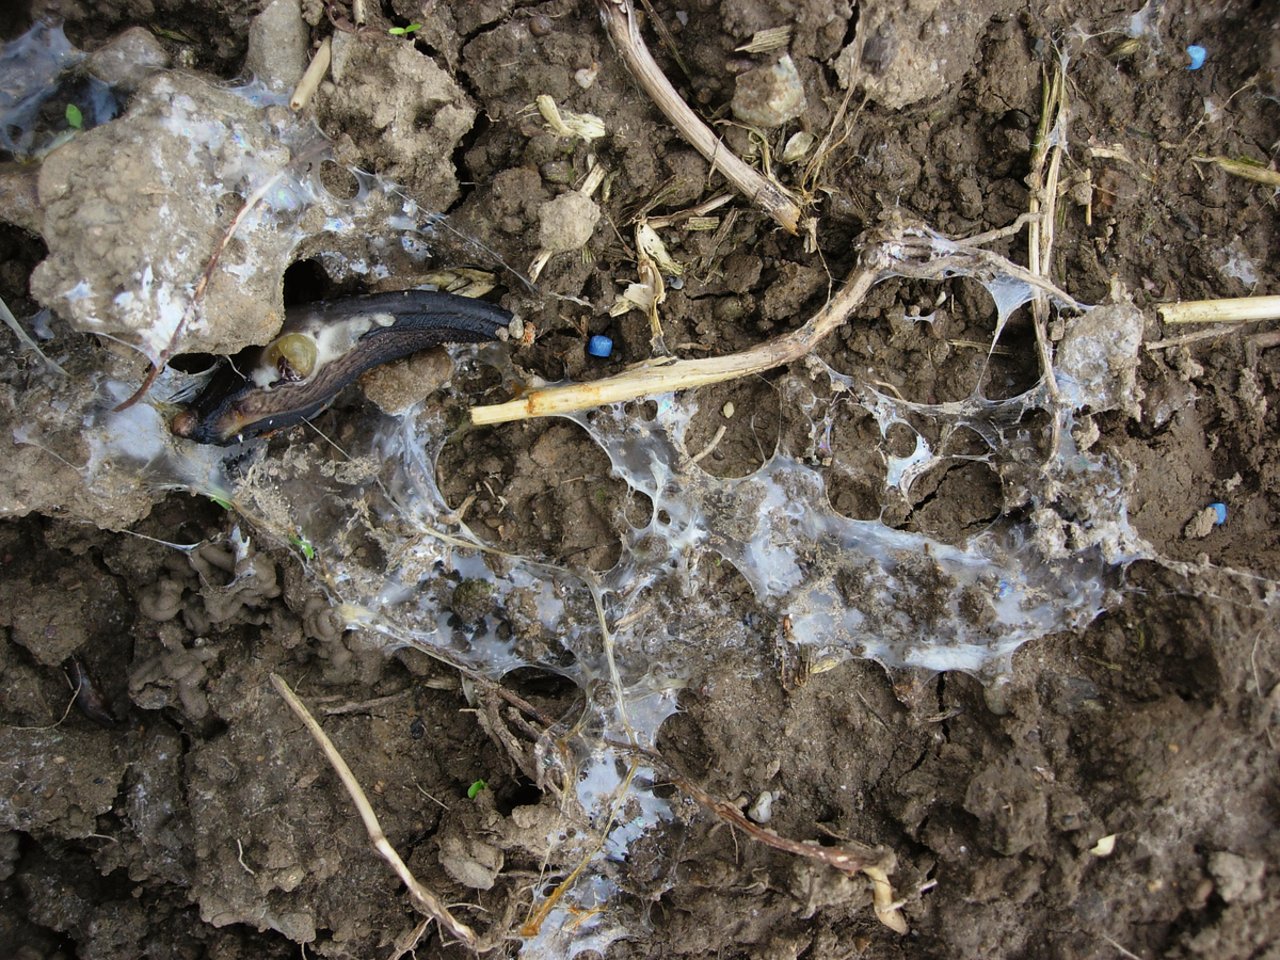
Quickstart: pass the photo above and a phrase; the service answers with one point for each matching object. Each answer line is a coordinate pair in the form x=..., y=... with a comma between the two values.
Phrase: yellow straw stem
x=1226, y=310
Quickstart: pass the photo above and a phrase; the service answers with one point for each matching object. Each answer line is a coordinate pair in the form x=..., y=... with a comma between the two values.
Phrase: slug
x=322, y=347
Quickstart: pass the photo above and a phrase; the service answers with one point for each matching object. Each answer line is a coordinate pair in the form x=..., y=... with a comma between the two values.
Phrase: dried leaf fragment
x=762, y=41
x=797, y=146
x=565, y=123
x=1245, y=169
x=651, y=246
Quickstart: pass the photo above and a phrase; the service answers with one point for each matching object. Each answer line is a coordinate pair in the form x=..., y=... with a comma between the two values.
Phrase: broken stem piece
x=12, y=323
x=310, y=81
x=1043, y=204
x=663, y=375
x=426, y=901
x=1226, y=310
x=851, y=858
x=619, y=18
x=206, y=276
x=1244, y=168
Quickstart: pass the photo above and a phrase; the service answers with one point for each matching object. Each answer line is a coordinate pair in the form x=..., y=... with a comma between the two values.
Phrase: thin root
x=715, y=442
x=424, y=899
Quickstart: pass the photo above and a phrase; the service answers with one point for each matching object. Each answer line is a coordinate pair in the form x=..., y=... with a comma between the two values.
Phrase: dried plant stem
x=12, y=323
x=619, y=18
x=851, y=858
x=663, y=375
x=1227, y=310
x=917, y=253
x=532, y=925
x=311, y=78
x=1198, y=337
x=1245, y=169
x=1043, y=206
x=426, y=901
x=691, y=213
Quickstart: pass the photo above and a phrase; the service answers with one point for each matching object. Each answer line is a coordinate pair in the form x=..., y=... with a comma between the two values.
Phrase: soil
x=1115, y=793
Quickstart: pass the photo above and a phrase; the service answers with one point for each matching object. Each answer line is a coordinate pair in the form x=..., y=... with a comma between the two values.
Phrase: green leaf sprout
x=303, y=545
x=473, y=791
x=405, y=31
x=75, y=119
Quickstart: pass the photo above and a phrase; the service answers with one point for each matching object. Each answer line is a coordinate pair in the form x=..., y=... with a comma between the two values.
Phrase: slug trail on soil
x=396, y=561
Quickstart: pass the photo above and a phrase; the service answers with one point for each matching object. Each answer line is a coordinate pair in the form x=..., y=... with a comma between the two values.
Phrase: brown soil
x=185, y=815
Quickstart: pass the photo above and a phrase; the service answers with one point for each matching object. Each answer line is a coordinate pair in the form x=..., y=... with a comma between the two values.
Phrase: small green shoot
x=473, y=791
x=224, y=504
x=405, y=31
x=304, y=546
x=75, y=119
x=177, y=36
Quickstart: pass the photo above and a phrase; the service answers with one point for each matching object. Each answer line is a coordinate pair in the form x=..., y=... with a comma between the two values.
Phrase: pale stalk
x=663, y=375
x=1226, y=310
x=429, y=903
x=619, y=18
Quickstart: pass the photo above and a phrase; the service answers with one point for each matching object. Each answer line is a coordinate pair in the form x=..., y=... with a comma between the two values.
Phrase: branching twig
x=917, y=254
x=619, y=18
x=426, y=901
x=851, y=858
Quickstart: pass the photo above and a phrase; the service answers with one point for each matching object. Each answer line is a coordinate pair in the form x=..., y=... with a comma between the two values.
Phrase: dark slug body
x=233, y=407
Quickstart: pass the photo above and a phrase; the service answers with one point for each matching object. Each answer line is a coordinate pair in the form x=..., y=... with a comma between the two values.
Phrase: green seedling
x=473, y=791
x=177, y=36
x=405, y=31
x=304, y=545
x=75, y=119
x=224, y=504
